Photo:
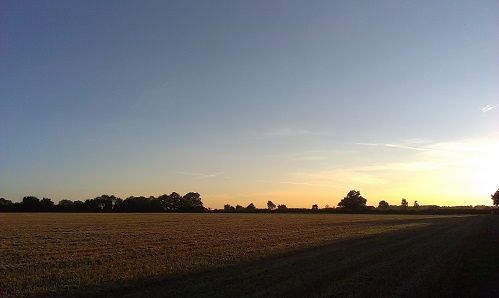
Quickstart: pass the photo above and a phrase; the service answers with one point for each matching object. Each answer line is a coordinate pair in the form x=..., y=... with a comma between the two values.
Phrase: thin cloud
x=407, y=166
x=488, y=108
x=417, y=148
x=369, y=144
x=410, y=147
x=470, y=158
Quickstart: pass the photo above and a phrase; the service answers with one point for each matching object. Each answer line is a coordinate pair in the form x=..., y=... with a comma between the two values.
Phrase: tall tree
x=228, y=207
x=191, y=202
x=106, y=202
x=495, y=198
x=5, y=204
x=46, y=204
x=271, y=205
x=170, y=202
x=282, y=207
x=353, y=202
x=30, y=203
x=251, y=207
x=383, y=205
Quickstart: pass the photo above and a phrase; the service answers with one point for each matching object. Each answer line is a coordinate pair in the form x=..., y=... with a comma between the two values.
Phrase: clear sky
x=297, y=102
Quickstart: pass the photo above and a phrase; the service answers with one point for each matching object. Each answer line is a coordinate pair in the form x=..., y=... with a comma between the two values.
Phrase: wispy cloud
x=401, y=146
x=446, y=148
x=202, y=176
x=487, y=108
x=476, y=157
x=407, y=166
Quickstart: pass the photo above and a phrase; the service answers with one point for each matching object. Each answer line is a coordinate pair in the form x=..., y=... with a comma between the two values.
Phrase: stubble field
x=174, y=255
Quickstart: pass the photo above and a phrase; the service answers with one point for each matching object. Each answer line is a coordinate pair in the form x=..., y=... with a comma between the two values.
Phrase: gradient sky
x=297, y=102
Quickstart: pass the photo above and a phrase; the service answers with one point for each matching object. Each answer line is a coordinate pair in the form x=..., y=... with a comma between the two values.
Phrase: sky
x=297, y=102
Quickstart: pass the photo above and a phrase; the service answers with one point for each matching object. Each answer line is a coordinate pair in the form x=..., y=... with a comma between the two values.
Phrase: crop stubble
x=167, y=254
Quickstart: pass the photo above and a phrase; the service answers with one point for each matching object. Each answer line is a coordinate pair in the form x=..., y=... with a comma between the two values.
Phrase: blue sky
x=291, y=101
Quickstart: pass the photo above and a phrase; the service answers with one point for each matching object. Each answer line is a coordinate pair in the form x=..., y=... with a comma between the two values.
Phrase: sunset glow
x=296, y=102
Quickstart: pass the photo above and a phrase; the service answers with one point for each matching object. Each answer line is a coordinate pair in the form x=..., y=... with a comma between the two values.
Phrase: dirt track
x=431, y=261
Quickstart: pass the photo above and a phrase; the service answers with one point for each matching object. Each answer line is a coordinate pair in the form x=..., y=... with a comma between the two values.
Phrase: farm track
x=420, y=262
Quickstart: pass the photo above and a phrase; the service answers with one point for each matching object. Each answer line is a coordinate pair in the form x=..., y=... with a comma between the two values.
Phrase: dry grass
x=55, y=253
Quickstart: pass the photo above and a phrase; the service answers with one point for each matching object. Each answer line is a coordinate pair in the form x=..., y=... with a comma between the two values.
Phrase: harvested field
x=190, y=255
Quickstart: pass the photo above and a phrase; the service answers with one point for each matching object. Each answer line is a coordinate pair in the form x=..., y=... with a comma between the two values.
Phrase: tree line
x=190, y=202
x=353, y=202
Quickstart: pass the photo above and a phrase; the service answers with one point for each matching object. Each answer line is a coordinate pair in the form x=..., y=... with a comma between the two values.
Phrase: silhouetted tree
x=5, y=205
x=78, y=206
x=315, y=207
x=30, y=203
x=65, y=203
x=404, y=204
x=5, y=202
x=170, y=203
x=191, y=202
x=251, y=207
x=383, y=205
x=239, y=208
x=136, y=204
x=155, y=205
x=229, y=208
x=93, y=205
x=105, y=203
x=282, y=207
x=271, y=205
x=495, y=198
x=66, y=206
x=46, y=204
x=416, y=205
x=163, y=200
x=353, y=202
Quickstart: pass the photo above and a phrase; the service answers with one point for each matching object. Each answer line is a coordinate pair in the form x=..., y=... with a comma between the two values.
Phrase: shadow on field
x=440, y=259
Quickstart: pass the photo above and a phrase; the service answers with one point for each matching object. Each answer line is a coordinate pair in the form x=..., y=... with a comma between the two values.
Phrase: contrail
x=409, y=147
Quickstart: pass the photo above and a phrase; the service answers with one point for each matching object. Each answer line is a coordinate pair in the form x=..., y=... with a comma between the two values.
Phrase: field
x=233, y=255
